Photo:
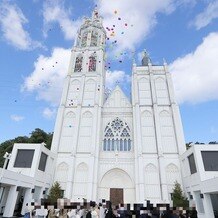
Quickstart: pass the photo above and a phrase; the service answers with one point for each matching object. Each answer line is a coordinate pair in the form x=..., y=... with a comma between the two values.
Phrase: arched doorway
x=117, y=186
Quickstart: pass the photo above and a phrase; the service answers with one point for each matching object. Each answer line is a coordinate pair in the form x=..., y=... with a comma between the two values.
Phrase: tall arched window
x=78, y=64
x=94, y=39
x=84, y=39
x=117, y=136
x=92, y=63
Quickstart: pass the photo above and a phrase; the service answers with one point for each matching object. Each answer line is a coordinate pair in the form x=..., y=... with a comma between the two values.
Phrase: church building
x=111, y=147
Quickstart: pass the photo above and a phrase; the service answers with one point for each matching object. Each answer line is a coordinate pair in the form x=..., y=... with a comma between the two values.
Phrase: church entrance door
x=116, y=196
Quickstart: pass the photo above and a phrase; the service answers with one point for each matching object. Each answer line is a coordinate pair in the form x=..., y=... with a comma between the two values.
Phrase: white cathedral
x=114, y=148
x=108, y=147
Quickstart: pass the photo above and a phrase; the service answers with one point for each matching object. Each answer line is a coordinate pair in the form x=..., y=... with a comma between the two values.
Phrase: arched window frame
x=92, y=63
x=117, y=136
x=94, y=39
x=84, y=39
x=78, y=63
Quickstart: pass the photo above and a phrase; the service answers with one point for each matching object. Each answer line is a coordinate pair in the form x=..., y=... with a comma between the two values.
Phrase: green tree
x=179, y=200
x=49, y=140
x=55, y=192
x=39, y=136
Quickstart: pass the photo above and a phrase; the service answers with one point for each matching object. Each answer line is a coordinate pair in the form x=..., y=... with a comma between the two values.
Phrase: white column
x=41, y=192
x=170, y=88
x=93, y=160
x=27, y=199
x=137, y=139
x=72, y=60
x=141, y=180
x=89, y=38
x=78, y=115
x=135, y=143
x=208, y=207
x=153, y=90
x=76, y=136
x=73, y=151
x=162, y=172
x=60, y=115
x=97, y=147
x=178, y=129
x=163, y=185
x=90, y=181
x=96, y=135
x=11, y=201
x=99, y=102
x=139, y=155
x=176, y=117
x=57, y=129
x=65, y=91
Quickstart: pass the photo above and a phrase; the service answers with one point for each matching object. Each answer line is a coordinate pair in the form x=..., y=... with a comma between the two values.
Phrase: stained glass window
x=92, y=63
x=117, y=136
x=78, y=64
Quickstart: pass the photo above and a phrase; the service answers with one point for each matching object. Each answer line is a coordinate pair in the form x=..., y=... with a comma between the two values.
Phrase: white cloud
x=48, y=76
x=195, y=75
x=12, y=20
x=49, y=112
x=16, y=118
x=139, y=15
x=114, y=77
x=55, y=12
x=207, y=16
x=47, y=81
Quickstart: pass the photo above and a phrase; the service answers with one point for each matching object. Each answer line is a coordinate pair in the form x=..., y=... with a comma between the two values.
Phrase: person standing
x=95, y=212
x=27, y=211
x=101, y=211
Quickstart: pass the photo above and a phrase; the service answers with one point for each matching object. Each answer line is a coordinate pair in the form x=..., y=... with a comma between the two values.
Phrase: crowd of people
x=106, y=210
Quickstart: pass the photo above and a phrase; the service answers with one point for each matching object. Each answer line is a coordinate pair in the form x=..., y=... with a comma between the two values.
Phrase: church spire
x=95, y=14
x=91, y=32
x=146, y=59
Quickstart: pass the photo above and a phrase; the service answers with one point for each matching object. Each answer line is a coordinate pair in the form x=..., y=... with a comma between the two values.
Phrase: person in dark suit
x=194, y=213
x=109, y=212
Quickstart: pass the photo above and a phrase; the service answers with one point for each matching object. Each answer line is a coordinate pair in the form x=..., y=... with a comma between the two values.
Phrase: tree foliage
x=179, y=200
x=55, y=192
x=36, y=136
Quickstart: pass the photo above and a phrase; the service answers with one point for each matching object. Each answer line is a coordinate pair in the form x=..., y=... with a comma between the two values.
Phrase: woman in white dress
x=95, y=212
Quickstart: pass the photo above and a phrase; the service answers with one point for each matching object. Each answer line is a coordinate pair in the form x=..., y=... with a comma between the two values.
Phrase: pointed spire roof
x=146, y=59
x=95, y=14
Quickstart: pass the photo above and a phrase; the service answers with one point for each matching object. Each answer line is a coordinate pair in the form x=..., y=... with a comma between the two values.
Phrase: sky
x=36, y=37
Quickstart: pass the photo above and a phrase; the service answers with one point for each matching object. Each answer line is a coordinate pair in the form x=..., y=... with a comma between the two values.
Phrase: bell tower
x=76, y=137
x=158, y=132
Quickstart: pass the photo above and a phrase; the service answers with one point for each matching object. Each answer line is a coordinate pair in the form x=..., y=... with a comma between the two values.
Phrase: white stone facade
x=114, y=143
